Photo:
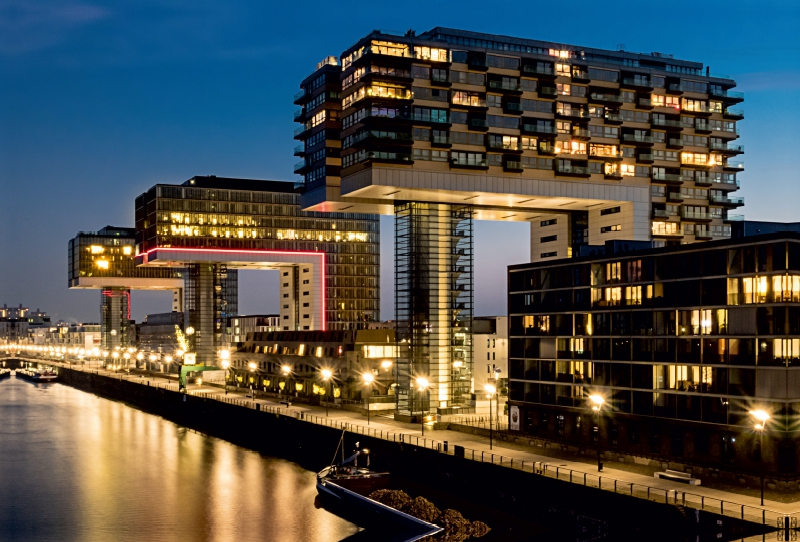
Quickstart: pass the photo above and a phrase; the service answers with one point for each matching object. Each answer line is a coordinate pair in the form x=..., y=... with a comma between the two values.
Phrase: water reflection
x=74, y=466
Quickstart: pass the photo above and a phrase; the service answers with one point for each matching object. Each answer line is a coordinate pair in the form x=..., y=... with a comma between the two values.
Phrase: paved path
x=477, y=447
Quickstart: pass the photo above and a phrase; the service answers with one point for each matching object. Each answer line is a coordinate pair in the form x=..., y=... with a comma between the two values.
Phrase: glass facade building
x=241, y=214
x=682, y=342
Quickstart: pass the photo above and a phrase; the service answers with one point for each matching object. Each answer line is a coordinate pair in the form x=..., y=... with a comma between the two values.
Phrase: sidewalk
x=505, y=454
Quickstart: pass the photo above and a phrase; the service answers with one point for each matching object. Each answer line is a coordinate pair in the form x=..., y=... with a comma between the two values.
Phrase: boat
x=350, y=475
x=39, y=375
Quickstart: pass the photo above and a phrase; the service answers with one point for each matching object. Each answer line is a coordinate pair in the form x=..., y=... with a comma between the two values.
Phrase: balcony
x=512, y=165
x=605, y=98
x=513, y=108
x=726, y=148
x=699, y=109
x=727, y=95
x=440, y=80
x=643, y=84
x=674, y=88
x=662, y=213
x=668, y=178
x=703, y=233
x=613, y=118
x=644, y=103
x=573, y=113
x=726, y=201
x=724, y=184
x=390, y=157
x=299, y=166
x=733, y=166
x=300, y=150
x=581, y=133
x=539, y=70
x=674, y=143
x=478, y=124
x=733, y=114
x=636, y=139
x=674, y=197
x=468, y=164
x=538, y=129
x=702, y=127
x=478, y=64
x=427, y=119
x=644, y=158
x=298, y=115
x=720, y=234
x=441, y=141
x=733, y=218
x=700, y=180
x=300, y=97
x=696, y=216
x=580, y=76
x=505, y=86
x=570, y=170
x=548, y=92
x=299, y=131
x=668, y=124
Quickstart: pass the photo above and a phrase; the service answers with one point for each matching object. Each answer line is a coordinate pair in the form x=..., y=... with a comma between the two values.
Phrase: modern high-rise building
x=448, y=126
x=684, y=343
x=213, y=226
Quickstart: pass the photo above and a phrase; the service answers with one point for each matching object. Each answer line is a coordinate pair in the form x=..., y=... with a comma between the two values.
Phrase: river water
x=76, y=467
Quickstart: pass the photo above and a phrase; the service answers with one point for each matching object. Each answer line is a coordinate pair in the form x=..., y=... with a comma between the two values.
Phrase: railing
x=572, y=170
x=695, y=215
x=647, y=102
x=675, y=196
x=644, y=157
x=469, y=163
x=675, y=88
x=539, y=128
x=440, y=78
x=667, y=122
x=299, y=130
x=637, y=82
x=580, y=74
x=725, y=147
x=299, y=149
x=735, y=112
x=504, y=85
x=667, y=177
x=579, y=132
x=548, y=91
x=613, y=117
x=637, y=138
x=605, y=97
x=541, y=70
x=674, y=497
x=726, y=200
x=478, y=123
x=299, y=95
x=440, y=140
x=299, y=165
x=733, y=165
x=512, y=164
x=673, y=142
x=513, y=106
x=733, y=218
x=725, y=93
x=299, y=113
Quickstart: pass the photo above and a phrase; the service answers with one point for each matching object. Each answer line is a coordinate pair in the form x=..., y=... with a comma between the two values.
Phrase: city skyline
x=93, y=121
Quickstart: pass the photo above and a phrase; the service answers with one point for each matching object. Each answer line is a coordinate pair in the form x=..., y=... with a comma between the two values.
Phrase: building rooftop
x=230, y=183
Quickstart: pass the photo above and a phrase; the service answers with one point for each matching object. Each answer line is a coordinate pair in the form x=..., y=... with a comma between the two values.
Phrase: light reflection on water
x=74, y=466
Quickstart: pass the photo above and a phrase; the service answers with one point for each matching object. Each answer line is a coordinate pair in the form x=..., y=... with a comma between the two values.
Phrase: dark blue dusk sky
x=101, y=100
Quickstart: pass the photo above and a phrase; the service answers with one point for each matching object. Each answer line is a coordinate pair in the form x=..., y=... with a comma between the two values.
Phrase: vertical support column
x=177, y=300
x=115, y=315
x=211, y=296
x=433, y=305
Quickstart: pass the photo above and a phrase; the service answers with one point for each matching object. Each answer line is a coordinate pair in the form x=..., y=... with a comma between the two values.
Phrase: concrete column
x=115, y=314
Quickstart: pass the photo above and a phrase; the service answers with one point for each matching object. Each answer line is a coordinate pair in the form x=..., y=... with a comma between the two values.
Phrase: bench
x=678, y=476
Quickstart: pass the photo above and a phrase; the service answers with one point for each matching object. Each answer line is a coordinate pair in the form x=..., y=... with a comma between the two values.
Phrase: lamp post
x=492, y=391
x=252, y=367
x=422, y=385
x=225, y=356
x=761, y=417
x=597, y=401
x=326, y=376
x=286, y=370
x=368, y=378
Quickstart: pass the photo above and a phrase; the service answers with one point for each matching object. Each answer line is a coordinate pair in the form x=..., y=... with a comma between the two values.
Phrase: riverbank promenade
x=517, y=455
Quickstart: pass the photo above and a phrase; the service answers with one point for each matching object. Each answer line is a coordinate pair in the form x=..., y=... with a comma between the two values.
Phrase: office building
x=682, y=342
x=446, y=127
x=213, y=226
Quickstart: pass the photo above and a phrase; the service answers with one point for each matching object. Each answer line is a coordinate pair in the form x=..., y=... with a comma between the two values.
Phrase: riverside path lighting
x=761, y=417
x=252, y=367
x=491, y=390
x=596, y=401
x=422, y=385
x=368, y=379
x=326, y=376
x=225, y=356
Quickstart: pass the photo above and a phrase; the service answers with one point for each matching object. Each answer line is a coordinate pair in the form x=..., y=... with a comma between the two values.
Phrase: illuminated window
x=563, y=69
x=431, y=53
x=96, y=249
x=102, y=264
x=614, y=272
x=633, y=295
x=613, y=296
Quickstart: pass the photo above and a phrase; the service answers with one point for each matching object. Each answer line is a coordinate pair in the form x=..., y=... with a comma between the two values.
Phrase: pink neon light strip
x=255, y=251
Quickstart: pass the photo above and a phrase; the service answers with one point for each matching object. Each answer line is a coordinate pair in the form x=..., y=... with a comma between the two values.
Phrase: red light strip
x=279, y=252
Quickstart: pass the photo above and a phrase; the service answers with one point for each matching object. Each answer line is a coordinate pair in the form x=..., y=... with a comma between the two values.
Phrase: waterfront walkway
x=511, y=455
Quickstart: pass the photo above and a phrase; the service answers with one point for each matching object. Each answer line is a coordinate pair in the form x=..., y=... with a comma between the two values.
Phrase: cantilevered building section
x=212, y=226
x=104, y=260
x=586, y=145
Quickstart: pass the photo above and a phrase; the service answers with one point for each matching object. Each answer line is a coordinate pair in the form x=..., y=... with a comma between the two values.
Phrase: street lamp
x=252, y=367
x=368, y=378
x=597, y=401
x=286, y=370
x=225, y=356
x=761, y=417
x=422, y=385
x=491, y=390
x=326, y=376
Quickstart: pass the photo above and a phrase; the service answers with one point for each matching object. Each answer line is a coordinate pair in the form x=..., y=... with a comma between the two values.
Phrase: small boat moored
x=38, y=375
x=349, y=475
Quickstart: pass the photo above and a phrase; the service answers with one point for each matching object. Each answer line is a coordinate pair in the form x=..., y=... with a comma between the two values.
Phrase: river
x=74, y=466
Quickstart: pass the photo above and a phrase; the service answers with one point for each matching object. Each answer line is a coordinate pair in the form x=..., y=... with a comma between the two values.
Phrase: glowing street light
x=422, y=385
x=491, y=390
x=368, y=379
x=761, y=417
x=327, y=374
x=252, y=366
x=597, y=401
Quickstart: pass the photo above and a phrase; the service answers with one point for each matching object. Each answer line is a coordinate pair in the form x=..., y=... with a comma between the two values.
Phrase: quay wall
x=516, y=493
